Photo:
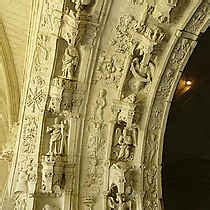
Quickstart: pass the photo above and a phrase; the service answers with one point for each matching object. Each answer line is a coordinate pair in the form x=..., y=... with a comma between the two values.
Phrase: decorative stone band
x=35, y=103
x=163, y=95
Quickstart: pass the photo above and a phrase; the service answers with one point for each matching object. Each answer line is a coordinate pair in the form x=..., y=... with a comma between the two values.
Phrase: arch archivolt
x=99, y=90
x=161, y=102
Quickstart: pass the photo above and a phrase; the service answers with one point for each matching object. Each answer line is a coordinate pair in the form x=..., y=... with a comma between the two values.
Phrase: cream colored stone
x=95, y=103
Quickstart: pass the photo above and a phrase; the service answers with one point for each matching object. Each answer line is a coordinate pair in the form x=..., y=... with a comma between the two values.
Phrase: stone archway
x=99, y=86
x=185, y=43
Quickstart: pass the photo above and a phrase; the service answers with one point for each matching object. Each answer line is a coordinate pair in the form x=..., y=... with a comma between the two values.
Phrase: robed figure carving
x=70, y=62
x=57, y=137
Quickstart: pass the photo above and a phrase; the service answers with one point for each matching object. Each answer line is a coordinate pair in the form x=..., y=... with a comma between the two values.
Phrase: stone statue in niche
x=70, y=62
x=150, y=188
x=121, y=193
x=57, y=138
x=125, y=140
x=112, y=197
x=100, y=104
x=152, y=146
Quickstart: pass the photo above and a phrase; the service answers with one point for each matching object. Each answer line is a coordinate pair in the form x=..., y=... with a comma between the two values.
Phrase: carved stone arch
x=10, y=77
x=162, y=95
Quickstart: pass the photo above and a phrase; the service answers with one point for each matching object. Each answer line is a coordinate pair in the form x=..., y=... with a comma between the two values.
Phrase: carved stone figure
x=57, y=138
x=124, y=142
x=140, y=76
x=70, y=62
x=151, y=149
x=94, y=138
x=52, y=175
x=121, y=193
x=100, y=104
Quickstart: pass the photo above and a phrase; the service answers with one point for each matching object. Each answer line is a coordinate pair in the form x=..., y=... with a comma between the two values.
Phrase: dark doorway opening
x=186, y=154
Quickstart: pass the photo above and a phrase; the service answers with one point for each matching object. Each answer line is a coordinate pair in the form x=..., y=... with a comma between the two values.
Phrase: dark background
x=186, y=158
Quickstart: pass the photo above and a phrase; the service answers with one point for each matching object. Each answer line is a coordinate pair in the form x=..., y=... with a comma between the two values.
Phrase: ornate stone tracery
x=96, y=104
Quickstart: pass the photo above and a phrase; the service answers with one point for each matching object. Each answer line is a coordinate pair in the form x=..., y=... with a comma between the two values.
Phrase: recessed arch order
x=183, y=45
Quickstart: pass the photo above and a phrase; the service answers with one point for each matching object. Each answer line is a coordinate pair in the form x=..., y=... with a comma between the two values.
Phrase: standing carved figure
x=100, y=104
x=70, y=62
x=57, y=137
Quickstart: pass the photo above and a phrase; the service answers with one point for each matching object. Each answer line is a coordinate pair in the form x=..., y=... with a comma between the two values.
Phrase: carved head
x=102, y=93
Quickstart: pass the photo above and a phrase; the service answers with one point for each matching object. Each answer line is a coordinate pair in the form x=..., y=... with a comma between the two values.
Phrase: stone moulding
x=160, y=105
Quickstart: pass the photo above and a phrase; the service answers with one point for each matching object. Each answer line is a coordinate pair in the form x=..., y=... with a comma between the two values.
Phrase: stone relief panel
x=96, y=141
x=30, y=130
x=109, y=69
